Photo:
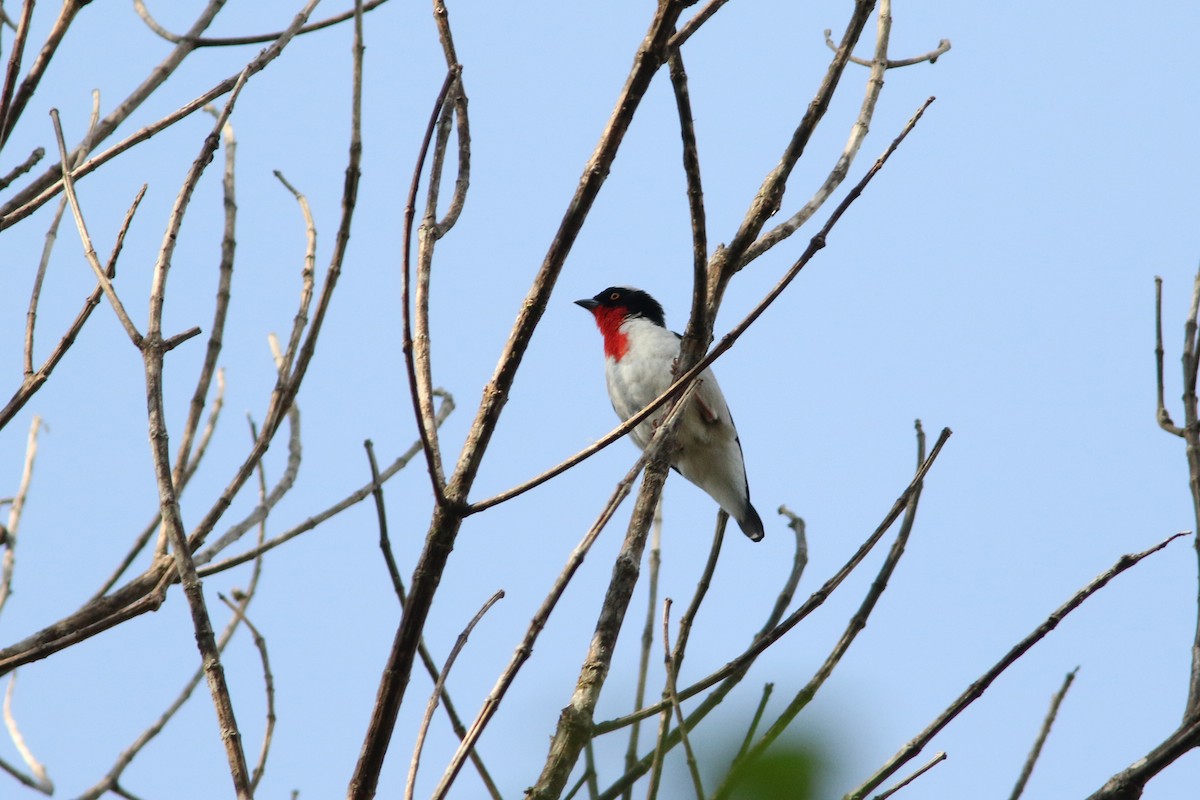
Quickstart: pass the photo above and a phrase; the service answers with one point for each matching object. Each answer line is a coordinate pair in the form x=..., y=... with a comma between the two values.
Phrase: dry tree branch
x=33, y=381
x=698, y=331
x=447, y=520
x=1191, y=428
x=385, y=542
x=317, y=519
x=416, y=346
x=439, y=688
x=654, y=561
x=398, y=585
x=258, y=38
x=575, y=722
x=110, y=123
x=15, y=509
x=40, y=779
x=463, y=126
x=672, y=669
x=525, y=649
x=153, y=350
x=260, y=644
x=148, y=532
x=858, y=133
x=933, y=762
x=752, y=728
x=185, y=465
x=692, y=25
x=12, y=105
x=1162, y=415
x=857, y=622
x=981, y=684
x=35, y=155
x=932, y=56
x=307, y=275
x=284, y=393
x=729, y=675
x=726, y=261
x=689, y=614
x=30, y=199
x=1034, y=753
x=38, y=279
x=1129, y=783
x=88, y=250
x=110, y=782
x=14, y=66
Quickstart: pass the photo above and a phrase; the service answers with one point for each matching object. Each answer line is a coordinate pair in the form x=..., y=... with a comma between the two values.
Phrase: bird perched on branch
x=639, y=355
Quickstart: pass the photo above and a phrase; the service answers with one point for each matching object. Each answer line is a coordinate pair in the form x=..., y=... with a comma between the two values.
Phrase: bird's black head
x=634, y=303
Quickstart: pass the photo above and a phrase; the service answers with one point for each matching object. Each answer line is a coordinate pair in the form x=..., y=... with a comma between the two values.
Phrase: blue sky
x=996, y=278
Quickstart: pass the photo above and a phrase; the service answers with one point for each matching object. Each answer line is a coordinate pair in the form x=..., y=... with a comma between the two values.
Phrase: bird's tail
x=751, y=524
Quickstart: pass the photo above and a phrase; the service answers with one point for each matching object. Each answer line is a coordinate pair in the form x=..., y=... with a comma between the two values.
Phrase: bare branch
x=257, y=38
x=438, y=687
x=41, y=780
x=416, y=345
x=307, y=273
x=932, y=56
x=937, y=759
x=981, y=684
x=312, y=522
x=1163, y=416
x=857, y=622
x=858, y=133
x=110, y=123
x=35, y=155
x=88, y=250
x=672, y=670
x=15, y=509
x=729, y=675
x=1055, y=702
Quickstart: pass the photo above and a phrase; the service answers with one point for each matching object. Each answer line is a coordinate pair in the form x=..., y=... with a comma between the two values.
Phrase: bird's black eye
x=615, y=296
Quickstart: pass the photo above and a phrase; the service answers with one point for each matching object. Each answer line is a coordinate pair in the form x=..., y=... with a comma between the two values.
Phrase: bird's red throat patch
x=609, y=320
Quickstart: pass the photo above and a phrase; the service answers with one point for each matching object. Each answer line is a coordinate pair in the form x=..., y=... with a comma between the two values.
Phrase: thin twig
x=672, y=669
x=35, y=155
x=37, y=770
x=943, y=47
x=1034, y=753
x=256, y=38
x=858, y=134
x=88, y=250
x=776, y=629
x=980, y=685
x=731, y=674
x=1163, y=416
x=855, y=625
x=689, y=614
x=759, y=710
x=260, y=644
x=438, y=687
x=933, y=762
x=15, y=509
x=312, y=522
x=36, y=190
x=654, y=561
x=431, y=666
x=422, y=405
x=307, y=274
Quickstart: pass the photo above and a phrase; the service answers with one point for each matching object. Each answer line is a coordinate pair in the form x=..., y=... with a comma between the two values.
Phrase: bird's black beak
x=588, y=304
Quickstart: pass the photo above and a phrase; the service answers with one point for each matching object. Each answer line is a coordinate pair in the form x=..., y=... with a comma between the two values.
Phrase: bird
x=639, y=356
